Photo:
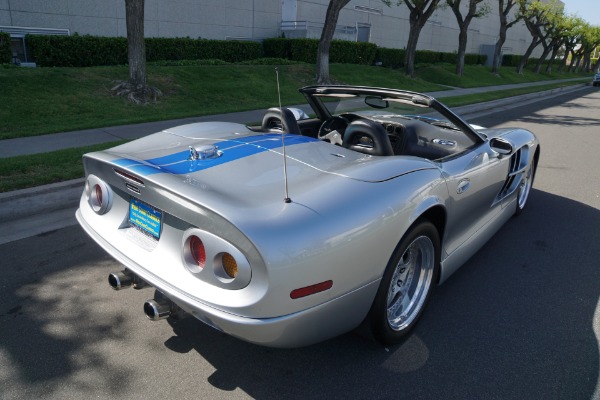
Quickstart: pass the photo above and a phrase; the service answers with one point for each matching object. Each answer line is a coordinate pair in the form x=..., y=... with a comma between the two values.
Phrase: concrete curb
x=40, y=200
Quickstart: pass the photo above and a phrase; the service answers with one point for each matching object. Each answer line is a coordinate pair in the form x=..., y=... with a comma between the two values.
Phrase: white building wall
x=390, y=25
x=258, y=19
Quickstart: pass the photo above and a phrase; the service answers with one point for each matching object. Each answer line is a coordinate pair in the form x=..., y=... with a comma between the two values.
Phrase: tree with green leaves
x=535, y=14
x=561, y=37
x=420, y=11
x=552, y=37
x=590, y=40
x=475, y=9
x=331, y=18
x=504, y=8
x=572, y=39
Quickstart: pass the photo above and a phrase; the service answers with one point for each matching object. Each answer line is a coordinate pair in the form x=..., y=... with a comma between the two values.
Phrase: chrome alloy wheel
x=525, y=188
x=410, y=283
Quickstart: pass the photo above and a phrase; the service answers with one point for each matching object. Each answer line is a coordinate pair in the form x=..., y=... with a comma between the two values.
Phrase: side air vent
x=518, y=164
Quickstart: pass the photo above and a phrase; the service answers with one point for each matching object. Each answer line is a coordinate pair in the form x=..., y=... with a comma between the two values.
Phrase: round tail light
x=98, y=191
x=198, y=251
x=98, y=194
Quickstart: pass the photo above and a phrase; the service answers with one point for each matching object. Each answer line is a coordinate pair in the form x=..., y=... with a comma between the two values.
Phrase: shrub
x=511, y=60
x=277, y=48
x=345, y=52
x=392, y=58
x=270, y=61
x=427, y=57
x=305, y=50
x=85, y=51
x=5, y=51
x=450, y=58
x=77, y=51
x=475, y=59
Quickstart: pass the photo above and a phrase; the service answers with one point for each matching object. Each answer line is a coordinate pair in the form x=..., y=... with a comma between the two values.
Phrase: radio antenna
x=285, y=177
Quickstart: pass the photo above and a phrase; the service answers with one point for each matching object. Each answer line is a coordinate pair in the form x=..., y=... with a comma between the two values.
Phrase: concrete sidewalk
x=42, y=209
x=58, y=141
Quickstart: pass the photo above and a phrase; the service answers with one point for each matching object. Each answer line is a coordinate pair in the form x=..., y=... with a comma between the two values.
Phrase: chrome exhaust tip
x=120, y=280
x=156, y=310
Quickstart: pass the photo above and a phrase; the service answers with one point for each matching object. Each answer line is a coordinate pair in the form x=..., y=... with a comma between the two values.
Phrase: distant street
x=520, y=320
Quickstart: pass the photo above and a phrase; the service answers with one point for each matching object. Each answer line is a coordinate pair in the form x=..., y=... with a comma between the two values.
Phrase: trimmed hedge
x=392, y=58
x=5, y=51
x=512, y=60
x=86, y=51
x=305, y=50
x=158, y=49
x=77, y=51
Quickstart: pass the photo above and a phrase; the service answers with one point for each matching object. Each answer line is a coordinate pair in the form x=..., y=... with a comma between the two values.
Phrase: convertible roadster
x=311, y=224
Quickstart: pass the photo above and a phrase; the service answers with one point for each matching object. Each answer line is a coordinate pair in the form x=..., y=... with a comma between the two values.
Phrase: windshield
x=383, y=108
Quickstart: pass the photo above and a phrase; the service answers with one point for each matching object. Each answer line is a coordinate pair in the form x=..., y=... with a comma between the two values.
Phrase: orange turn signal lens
x=229, y=265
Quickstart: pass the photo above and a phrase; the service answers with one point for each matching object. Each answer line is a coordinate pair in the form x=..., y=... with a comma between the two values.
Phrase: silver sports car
x=312, y=224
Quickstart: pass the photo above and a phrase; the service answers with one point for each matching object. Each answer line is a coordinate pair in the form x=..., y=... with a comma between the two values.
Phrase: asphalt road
x=520, y=320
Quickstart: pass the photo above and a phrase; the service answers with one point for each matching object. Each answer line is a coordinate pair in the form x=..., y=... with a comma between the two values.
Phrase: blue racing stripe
x=179, y=163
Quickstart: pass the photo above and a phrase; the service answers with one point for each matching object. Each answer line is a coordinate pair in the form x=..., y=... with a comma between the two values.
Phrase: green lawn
x=477, y=76
x=40, y=169
x=36, y=101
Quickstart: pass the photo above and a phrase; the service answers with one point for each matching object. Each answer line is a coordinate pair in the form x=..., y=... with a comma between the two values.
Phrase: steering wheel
x=332, y=130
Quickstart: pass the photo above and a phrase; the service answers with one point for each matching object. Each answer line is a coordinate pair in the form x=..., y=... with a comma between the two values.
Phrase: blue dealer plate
x=145, y=217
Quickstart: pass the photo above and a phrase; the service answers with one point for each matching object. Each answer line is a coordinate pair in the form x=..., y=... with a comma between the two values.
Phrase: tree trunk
x=136, y=48
x=420, y=11
x=538, y=65
x=597, y=66
x=534, y=43
x=498, y=49
x=503, y=12
x=462, y=48
x=563, y=64
x=331, y=18
x=411, y=49
x=587, y=61
x=555, y=49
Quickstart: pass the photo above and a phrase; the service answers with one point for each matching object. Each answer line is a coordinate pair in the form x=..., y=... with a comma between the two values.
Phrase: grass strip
x=39, y=101
x=33, y=170
x=21, y=172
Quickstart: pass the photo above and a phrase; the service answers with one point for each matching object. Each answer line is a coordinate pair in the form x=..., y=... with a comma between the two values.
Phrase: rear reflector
x=312, y=289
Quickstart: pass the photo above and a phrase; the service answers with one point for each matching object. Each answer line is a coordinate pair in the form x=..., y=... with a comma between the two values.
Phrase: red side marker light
x=312, y=289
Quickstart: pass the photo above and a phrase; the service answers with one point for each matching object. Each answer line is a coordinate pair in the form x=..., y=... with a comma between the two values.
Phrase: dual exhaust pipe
x=155, y=309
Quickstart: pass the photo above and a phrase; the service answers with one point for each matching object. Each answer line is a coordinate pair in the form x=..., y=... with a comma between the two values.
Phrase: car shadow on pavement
x=516, y=321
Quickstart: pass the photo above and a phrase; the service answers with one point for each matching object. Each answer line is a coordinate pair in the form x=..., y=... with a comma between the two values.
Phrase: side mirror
x=501, y=146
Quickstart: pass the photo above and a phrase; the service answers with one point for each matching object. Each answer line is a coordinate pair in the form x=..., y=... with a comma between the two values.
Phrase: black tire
x=414, y=266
